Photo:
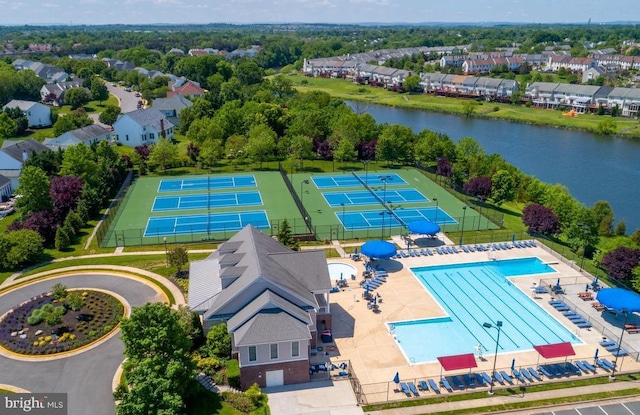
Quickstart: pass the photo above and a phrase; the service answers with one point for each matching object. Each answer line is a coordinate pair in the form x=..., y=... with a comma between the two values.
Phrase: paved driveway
x=128, y=100
x=86, y=377
x=314, y=398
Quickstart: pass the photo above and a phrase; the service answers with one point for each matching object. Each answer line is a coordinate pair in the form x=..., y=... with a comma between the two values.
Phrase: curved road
x=86, y=377
x=128, y=100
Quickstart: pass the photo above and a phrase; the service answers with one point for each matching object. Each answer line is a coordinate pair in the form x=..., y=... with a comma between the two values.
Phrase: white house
x=13, y=155
x=5, y=188
x=88, y=135
x=39, y=115
x=140, y=127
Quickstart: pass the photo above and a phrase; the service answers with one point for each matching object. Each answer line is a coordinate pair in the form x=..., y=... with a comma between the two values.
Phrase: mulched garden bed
x=99, y=315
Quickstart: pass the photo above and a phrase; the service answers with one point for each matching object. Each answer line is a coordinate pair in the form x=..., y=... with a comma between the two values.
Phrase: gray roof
x=23, y=105
x=204, y=284
x=4, y=180
x=589, y=90
x=267, y=302
x=149, y=117
x=89, y=132
x=16, y=149
x=267, y=327
x=270, y=278
x=175, y=103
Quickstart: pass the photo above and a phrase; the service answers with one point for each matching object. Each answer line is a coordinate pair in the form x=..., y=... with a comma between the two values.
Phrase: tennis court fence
x=110, y=215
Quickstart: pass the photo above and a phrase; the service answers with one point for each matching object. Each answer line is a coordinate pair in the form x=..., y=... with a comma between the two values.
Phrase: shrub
x=233, y=373
x=59, y=291
x=239, y=401
x=209, y=365
x=92, y=333
x=75, y=301
x=254, y=393
x=496, y=109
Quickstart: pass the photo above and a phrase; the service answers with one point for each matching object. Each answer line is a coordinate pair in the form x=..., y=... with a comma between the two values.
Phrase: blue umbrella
x=424, y=227
x=558, y=283
x=587, y=288
x=619, y=299
x=396, y=378
x=513, y=365
x=595, y=356
x=379, y=249
x=595, y=280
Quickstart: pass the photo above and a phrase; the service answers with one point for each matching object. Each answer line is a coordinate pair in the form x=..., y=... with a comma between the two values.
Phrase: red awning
x=549, y=351
x=460, y=361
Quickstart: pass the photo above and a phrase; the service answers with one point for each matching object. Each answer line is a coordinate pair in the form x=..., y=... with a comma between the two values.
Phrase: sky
x=95, y=12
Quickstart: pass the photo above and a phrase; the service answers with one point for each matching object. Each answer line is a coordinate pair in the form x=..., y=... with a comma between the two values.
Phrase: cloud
x=375, y=2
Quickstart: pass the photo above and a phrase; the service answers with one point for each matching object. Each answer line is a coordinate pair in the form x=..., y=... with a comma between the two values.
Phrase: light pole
x=435, y=220
x=166, y=252
x=384, y=180
x=464, y=213
x=301, y=183
x=382, y=226
x=498, y=326
x=343, y=228
x=615, y=362
x=366, y=170
x=208, y=205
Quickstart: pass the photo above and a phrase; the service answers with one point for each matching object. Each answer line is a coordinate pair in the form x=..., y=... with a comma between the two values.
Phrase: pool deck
x=361, y=336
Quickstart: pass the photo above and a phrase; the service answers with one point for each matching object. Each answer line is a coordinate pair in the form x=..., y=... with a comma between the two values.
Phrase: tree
x=479, y=187
x=34, y=191
x=345, y=151
x=540, y=219
x=59, y=291
x=21, y=120
x=469, y=107
x=159, y=369
x=248, y=72
x=503, y=187
x=218, y=343
x=261, y=143
x=75, y=300
x=79, y=161
x=607, y=126
x=109, y=115
x=204, y=129
x=63, y=239
x=65, y=192
x=99, y=91
x=411, y=83
x=43, y=222
x=8, y=127
x=284, y=236
x=19, y=248
x=178, y=257
x=444, y=168
x=603, y=216
x=163, y=153
x=620, y=262
x=210, y=152
x=394, y=143
x=76, y=97
x=71, y=121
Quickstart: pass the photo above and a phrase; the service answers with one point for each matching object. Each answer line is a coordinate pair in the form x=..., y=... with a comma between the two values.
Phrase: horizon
x=329, y=12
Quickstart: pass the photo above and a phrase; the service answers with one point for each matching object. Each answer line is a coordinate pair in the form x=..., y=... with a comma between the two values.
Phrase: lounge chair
x=573, y=369
x=416, y=253
x=498, y=377
x=404, y=388
x=480, y=379
x=486, y=378
x=438, y=251
x=518, y=375
x=532, y=244
x=584, y=325
x=404, y=254
x=423, y=252
x=526, y=374
x=589, y=366
x=545, y=372
x=506, y=377
x=429, y=251
x=607, y=363
x=457, y=382
x=560, y=369
x=581, y=366
x=534, y=373
x=465, y=249
x=576, y=317
x=449, y=250
x=445, y=384
x=413, y=389
x=422, y=385
x=612, y=347
x=434, y=386
x=455, y=250
x=621, y=352
x=468, y=379
x=570, y=313
x=471, y=248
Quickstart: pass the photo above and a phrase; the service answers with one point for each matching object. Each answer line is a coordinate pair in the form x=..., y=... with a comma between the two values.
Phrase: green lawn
x=347, y=90
x=91, y=106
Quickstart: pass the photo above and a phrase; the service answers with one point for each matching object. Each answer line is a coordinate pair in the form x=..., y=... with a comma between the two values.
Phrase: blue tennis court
x=199, y=201
x=206, y=183
x=217, y=222
x=365, y=219
x=364, y=197
x=349, y=180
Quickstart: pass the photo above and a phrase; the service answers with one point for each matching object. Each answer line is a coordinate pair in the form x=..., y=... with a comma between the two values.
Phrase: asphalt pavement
x=86, y=377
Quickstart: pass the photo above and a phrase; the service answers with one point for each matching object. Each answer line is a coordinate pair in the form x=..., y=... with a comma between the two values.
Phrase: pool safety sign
x=33, y=403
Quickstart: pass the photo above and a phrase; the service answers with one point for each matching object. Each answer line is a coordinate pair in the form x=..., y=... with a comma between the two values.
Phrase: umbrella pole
x=615, y=362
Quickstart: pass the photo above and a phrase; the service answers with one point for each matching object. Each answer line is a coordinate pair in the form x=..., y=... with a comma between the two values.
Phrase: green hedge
x=233, y=373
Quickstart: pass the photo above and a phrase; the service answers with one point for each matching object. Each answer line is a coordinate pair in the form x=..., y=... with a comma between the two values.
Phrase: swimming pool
x=339, y=270
x=472, y=294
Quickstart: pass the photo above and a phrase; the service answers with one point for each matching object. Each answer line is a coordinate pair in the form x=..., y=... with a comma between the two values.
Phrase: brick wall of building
x=294, y=372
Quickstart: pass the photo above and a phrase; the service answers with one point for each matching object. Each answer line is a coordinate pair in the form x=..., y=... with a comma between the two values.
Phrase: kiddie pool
x=340, y=268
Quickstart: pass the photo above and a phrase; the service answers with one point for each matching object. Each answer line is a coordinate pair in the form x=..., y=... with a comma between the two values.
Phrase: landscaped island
x=59, y=321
